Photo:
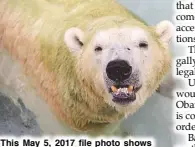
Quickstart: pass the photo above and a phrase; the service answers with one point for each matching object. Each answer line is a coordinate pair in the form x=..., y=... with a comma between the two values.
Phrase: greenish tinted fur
x=56, y=20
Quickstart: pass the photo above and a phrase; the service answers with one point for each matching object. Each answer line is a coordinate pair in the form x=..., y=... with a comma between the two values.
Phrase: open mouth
x=124, y=94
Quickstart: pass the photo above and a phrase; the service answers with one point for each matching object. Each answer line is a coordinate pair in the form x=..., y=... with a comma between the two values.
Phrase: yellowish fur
x=33, y=30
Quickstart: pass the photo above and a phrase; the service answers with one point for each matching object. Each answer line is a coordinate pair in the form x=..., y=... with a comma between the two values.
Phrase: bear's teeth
x=130, y=88
x=120, y=90
x=114, y=89
x=124, y=90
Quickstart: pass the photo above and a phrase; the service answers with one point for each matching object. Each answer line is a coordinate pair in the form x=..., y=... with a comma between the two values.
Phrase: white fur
x=166, y=30
x=70, y=39
x=115, y=42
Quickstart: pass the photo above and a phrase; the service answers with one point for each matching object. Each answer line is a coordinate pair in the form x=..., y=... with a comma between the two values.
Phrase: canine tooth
x=114, y=89
x=130, y=88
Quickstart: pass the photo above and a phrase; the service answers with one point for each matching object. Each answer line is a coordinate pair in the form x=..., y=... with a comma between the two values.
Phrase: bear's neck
x=87, y=110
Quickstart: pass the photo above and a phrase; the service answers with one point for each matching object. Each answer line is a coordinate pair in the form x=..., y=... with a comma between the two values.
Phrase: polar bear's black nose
x=118, y=70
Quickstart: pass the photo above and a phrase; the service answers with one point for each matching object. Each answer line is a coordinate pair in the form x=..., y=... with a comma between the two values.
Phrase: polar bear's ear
x=73, y=38
x=165, y=29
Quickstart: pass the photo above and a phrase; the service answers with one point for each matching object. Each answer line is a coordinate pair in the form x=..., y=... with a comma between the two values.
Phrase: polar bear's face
x=122, y=54
x=121, y=62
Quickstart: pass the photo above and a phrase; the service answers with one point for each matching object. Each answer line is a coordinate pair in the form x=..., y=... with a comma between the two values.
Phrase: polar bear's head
x=124, y=64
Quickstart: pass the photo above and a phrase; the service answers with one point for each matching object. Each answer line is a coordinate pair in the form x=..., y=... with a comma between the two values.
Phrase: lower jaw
x=124, y=98
x=125, y=101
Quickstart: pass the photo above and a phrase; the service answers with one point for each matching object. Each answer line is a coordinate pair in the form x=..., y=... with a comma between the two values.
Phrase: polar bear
x=94, y=62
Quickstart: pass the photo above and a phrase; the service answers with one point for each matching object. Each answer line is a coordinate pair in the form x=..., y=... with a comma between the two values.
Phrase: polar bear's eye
x=143, y=45
x=98, y=49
